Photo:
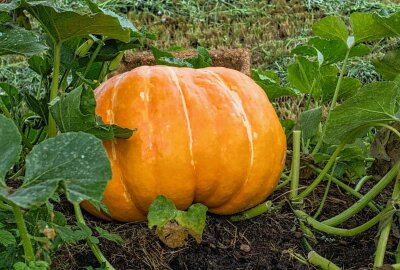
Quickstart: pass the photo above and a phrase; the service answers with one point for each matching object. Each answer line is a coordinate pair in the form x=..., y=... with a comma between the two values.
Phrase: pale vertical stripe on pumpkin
x=238, y=106
x=115, y=90
x=174, y=77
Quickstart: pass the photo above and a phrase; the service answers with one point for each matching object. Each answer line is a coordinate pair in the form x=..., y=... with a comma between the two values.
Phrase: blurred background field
x=270, y=29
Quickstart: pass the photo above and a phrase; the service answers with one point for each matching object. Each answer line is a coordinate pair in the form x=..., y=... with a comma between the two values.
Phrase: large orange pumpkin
x=203, y=135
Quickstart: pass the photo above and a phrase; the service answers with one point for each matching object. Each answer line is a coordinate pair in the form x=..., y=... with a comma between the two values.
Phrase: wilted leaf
x=172, y=225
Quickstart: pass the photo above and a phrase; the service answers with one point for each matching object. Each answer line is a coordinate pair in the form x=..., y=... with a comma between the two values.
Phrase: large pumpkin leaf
x=369, y=26
x=374, y=103
x=389, y=65
x=173, y=225
x=17, y=40
x=75, y=111
x=331, y=27
x=62, y=25
x=10, y=145
x=348, y=87
x=304, y=75
x=76, y=162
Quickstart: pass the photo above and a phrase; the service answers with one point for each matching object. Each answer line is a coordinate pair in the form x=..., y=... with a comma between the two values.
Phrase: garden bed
x=269, y=241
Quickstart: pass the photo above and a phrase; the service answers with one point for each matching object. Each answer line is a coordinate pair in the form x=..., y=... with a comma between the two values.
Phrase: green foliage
x=271, y=84
x=75, y=111
x=374, y=103
x=16, y=40
x=309, y=122
x=202, y=59
x=389, y=65
x=10, y=146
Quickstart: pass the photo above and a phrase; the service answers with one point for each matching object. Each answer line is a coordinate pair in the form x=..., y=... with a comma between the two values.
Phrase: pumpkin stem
x=23, y=232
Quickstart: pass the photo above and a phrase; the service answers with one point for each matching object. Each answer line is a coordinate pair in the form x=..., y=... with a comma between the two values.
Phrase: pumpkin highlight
x=203, y=135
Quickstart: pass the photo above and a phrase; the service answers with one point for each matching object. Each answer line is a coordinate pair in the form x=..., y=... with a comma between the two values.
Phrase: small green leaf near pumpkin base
x=172, y=225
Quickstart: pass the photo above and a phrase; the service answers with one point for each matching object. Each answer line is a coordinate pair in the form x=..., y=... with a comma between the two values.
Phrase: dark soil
x=270, y=241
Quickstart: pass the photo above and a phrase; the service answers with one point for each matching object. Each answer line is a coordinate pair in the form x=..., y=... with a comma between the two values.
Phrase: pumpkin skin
x=203, y=135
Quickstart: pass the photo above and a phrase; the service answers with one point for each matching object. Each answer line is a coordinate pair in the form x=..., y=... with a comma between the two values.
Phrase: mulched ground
x=270, y=241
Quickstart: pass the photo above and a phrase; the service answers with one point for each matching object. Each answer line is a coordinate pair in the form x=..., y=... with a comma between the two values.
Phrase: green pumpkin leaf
x=369, y=26
x=17, y=40
x=374, y=103
x=331, y=27
x=10, y=146
x=161, y=211
x=63, y=25
x=202, y=59
x=348, y=87
x=389, y=65
x=302, y=74
x=75, y=111
x=333, y=51
x=172, y=225
x=40, y=64
x=7, y=238
x=109, y=236
x=173, y=62
x=270, y=83
x=304, y=50
x=35, y=265
x=309, y=122
x=75, y=161
x=359, y=50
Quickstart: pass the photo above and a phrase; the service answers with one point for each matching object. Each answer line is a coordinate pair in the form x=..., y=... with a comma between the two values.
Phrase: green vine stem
x=395, y=131
x=361, y=203
x=23, y=233
x=362, y=182
x=397, y=256
x=346, y=188
x=94, y=247
x=339, y=231
x=315, y=259
x=286, y=180
x=396, y=266
x=54, y=87
x=328, y=186
x=385, y=230
x=327, y=167
x=255, y=211
x=333, y=103
x=295, y=171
